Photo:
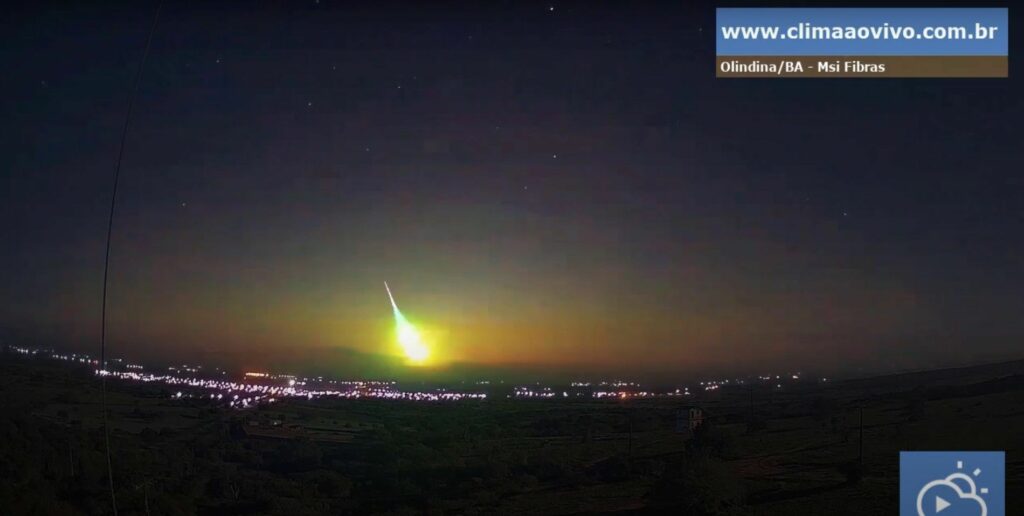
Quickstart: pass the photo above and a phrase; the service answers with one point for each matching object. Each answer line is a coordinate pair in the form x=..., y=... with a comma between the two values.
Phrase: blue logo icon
x=952, y=483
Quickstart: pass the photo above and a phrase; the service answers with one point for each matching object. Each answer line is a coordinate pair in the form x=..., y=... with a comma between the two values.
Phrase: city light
x=260, y=387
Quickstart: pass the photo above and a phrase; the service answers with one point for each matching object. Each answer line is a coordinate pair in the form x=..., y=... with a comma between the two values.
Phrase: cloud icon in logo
x=957, y=490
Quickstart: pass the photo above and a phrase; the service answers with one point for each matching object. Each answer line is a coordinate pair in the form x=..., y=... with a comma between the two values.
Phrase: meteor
x=413, y=347
x=392, y=298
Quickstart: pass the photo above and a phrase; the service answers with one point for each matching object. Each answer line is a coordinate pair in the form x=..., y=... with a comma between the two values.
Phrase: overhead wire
x=133, y=95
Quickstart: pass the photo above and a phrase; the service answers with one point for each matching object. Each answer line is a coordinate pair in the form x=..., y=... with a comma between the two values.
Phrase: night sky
x=545, y=186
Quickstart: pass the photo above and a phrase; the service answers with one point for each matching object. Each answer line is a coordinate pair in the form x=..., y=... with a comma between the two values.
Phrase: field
x=816, y=449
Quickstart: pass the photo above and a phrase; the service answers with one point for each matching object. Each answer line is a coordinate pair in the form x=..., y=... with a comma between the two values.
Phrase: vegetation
x=371, y=457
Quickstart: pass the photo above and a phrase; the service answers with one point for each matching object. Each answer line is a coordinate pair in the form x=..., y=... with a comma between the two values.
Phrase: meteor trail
x=408, y=337
x=393, y=305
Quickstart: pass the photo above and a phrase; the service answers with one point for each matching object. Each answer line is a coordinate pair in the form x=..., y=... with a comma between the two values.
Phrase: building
x=688, y=419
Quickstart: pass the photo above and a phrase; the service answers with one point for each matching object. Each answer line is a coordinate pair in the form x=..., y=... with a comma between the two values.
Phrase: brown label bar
x=861, y=66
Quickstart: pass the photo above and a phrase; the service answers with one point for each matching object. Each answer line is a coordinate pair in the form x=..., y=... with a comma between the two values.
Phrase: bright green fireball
x=412, y=345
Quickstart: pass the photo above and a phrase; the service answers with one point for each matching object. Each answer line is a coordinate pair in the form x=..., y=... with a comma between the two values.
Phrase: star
x=551, y=8
x=309, y=104
x=554, y=156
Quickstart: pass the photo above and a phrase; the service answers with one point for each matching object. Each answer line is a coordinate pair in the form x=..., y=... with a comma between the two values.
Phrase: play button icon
x=940, y=504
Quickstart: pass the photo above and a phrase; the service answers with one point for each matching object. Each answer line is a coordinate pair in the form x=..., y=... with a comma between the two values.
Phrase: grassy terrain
x=794, y=451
